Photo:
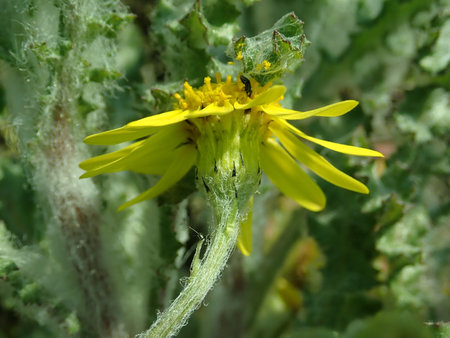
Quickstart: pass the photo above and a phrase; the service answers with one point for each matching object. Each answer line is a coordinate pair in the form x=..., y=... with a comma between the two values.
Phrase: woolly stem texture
x=51, y=63
x=204, y=273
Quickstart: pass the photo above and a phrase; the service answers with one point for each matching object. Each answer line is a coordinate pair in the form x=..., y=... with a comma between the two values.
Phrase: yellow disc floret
x=218, y=93
x=266, y=64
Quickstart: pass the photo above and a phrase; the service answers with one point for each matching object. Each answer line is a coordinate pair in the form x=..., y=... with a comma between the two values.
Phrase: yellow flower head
x=229, y=130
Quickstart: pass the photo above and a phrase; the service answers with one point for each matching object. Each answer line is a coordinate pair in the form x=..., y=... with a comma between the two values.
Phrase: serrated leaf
x=180, y=30
x=406, y=236
x=193, y=28
x=101, y=74
x=220, y=12
x=268, y=55
x=393, y=212
x=440, y=57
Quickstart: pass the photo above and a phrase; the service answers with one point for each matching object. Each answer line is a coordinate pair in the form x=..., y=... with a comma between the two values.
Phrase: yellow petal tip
x=315, y=208
x=362, y=190
x=317, y=205
x=85, y=175
x=243, y=250
x=82, y=165
x=352, y=104
x=94, y=138
x=88, y=139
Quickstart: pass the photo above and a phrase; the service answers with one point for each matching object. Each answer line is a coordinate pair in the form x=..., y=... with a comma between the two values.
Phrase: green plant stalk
x=228, y=174
x=52, y=62
x=204, y=273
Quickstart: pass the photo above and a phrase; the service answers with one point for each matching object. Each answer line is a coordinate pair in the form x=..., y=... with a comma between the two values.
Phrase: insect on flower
x=229, y=136
x=247, y=85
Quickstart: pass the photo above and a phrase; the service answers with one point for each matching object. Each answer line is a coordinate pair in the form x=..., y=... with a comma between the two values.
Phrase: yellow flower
x=266, y=64
x=233, y=127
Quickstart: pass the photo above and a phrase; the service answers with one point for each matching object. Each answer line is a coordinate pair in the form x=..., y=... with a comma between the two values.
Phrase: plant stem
x=204, y=273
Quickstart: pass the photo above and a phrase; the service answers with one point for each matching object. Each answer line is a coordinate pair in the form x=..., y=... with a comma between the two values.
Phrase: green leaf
x=388, y=325
x=312, y=332
x=193, y=29
x=220, y=12
x=100, y=74
x=440, y=57
x=394, y=210
x=269, y=54
x=405, y=237
x=408, y=287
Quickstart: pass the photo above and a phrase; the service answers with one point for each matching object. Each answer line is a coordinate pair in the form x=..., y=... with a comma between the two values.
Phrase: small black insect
x=233, y=174
x=247, y=85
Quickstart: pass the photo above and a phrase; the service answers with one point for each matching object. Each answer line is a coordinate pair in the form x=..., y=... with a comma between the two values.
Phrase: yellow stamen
x=207, y=81
x=218, y=93
x=188, y=89
x=178, y=97
x=266, y=64
x=223, y=96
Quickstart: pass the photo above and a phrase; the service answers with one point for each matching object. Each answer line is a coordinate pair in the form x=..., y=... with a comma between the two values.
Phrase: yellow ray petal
x=341, y=148
x=101, y=160
x=244, y=242
x=273, y=94
x=159, y=120
x=151, y=155
x=118, y=135
x=317, y=163
x=335, y=109
x=156, y=163
x=137, y=129
x=212, y=109
x=287, y=176
x=184, y=159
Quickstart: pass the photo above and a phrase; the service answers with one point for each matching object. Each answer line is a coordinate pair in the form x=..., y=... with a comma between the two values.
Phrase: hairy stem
x=204, y=273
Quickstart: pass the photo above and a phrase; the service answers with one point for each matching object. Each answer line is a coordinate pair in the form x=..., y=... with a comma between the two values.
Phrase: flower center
x=228, y=144
x=219, y=93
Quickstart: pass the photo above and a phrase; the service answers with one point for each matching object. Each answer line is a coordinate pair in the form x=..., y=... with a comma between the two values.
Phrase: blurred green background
x=366, y=266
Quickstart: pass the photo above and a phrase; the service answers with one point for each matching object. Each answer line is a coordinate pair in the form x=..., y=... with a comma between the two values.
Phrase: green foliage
x=184, y=32
x=389, y=325
x=366, y=266
x=282, y=47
